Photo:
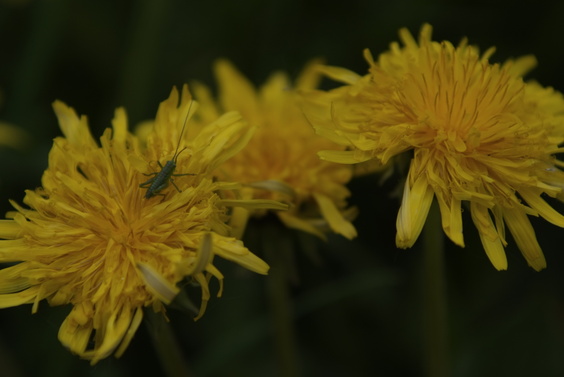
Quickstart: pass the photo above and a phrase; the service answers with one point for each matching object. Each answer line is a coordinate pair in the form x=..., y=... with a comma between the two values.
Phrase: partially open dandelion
x=280, y=162
x=91, y=239
x=477, y=132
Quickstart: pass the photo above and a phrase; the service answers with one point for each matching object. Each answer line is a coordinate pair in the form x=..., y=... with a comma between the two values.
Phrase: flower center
x=456, y=140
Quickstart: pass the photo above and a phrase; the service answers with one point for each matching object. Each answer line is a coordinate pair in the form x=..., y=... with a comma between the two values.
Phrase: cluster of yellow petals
x=90, y=238
x=280, y=161
x=478, y=134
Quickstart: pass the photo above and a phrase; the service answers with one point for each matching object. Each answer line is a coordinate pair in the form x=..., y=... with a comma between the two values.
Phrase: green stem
x=277, y=250
x=434, y=297
x=166, y=345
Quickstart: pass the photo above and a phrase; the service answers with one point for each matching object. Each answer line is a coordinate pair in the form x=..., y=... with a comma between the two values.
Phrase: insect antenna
x=176, y=153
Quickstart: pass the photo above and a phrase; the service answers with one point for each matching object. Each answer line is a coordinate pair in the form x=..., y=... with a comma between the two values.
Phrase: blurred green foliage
x=357, y=307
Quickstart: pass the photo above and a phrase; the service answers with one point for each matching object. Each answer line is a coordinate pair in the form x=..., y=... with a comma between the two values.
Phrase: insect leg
x=147, y=183
x=174, y=184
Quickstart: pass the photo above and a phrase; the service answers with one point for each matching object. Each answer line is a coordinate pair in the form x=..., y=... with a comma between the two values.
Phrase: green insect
x=160, y=179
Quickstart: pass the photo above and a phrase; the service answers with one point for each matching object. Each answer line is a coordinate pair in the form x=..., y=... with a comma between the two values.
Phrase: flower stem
x=166, y=345
x=276, y=249
x=435, y=324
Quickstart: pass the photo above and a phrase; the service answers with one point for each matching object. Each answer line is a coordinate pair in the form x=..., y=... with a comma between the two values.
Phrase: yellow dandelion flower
x=477, y=132
x=90, y=238
x=280, y=162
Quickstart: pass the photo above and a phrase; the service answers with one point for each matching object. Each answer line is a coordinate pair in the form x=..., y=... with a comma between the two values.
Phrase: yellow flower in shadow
x=89, y=237
x=280, y=162
x=477, y=132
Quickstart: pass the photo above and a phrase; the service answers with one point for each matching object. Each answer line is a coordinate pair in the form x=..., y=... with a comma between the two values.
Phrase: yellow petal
x=11, y=279
x=208, y=111
x=488, y=234
x=14, y=299
x=310, y=76
x=524, y=236
x=119, y=124
x=9, y=229
x=521, y=65
x=220, y=140
x=340, y=74
x=414, y=208
x=234, y=250
x=135, y=322
x=238, y=221
x=157, y=284
x=451, y=218
x=299, y=224
x=213, y=271
x=237, y=93
x=255, y=204
x=274, y=185
x=334, y=217
x=115, y=328
x=203, y=282
x=75, y=129
x=74, y=335
x=203, y=258
x=543, y=208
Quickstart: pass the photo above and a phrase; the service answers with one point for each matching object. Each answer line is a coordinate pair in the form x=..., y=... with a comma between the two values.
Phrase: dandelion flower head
x=89, y=237
x=280, y=162
x=477, y=132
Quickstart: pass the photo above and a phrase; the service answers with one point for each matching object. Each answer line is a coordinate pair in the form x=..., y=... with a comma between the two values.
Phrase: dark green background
x=358, y=311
